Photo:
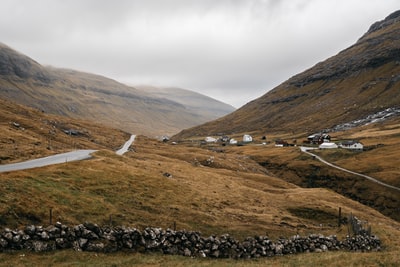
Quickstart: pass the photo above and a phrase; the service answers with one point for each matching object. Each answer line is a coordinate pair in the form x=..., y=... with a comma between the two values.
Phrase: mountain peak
x=389, y=20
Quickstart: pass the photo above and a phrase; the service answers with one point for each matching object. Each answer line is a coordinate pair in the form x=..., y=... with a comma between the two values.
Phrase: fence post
x=340, y=216
x=51, y=216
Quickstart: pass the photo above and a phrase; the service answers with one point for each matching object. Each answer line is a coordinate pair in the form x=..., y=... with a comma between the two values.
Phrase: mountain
x=359, y=81
x=206, y=107
x=83, y=95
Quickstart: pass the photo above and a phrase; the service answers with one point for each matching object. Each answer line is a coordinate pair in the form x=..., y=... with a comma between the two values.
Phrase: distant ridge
x=88, y=96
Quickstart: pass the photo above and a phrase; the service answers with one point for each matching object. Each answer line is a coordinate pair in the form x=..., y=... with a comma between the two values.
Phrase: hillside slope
x=203, y=105
x=228, y=194
x=361, y=80
x=27, y=133
x=83, y=95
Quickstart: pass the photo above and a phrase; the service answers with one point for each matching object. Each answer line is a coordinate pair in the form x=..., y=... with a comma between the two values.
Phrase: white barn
x=328, y=145
x=247, y=138
x=210, y=139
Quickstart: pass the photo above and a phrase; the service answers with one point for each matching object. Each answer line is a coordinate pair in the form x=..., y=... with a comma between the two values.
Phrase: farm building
x=328, y=145
x=247, y=138
x=210, y=139
x=318, y=138
x=352, y=145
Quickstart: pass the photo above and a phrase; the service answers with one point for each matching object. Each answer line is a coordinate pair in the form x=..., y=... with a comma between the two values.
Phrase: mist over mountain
x=93, y=97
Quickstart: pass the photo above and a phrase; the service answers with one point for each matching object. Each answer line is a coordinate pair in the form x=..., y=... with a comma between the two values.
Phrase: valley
x=195, y=180
x=143, y=110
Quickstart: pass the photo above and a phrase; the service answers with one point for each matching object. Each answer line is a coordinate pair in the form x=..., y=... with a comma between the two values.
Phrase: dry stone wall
x=91, y=237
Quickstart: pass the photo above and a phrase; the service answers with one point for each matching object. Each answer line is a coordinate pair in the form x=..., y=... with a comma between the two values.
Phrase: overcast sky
x=234, y=51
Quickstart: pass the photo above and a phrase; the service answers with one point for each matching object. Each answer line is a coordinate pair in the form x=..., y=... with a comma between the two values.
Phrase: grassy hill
x=93, y=97
x=206, y=191
x=248, y=190
x=361, y=80
x=211, y=189
x=215, y=190
x=28, y=133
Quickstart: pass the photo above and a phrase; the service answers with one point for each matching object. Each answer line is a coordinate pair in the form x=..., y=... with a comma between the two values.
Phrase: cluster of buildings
x=226, y=139
x=323, y=140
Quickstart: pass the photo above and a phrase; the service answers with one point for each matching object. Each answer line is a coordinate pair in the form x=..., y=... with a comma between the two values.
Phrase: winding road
x=126, y=146
x=60, y=158
x=306, y=150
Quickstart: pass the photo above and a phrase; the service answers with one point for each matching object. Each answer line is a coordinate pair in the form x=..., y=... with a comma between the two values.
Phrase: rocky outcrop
x=389, y=20
x=91, y=237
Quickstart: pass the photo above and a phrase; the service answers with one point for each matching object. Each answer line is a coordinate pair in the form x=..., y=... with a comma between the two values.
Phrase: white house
x=247, y=138
x=232, y=141
x=352, y=145
x=327, y=145
x=210, y=139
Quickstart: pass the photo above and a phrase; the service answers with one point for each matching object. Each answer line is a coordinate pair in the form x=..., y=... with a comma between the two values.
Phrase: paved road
x=126, y=146
x=55, y=159
x=60, y=158
x=306, y=150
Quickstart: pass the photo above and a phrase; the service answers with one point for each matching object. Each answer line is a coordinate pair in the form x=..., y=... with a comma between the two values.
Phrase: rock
x=187, y=252
x=75, y=246
x=41, y=246
x=62, y=243
x=82, y=243
x=93, y=227
x=30, y=229
x=53, y=232
x=3, y=243
x=95, y=246
x=44, y=236
x=186, y=243
x=8, y=236
x=168, y=175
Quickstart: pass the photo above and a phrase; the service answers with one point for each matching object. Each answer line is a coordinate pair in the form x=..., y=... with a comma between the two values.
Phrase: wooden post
x=51, y=216
x=174, y=225
x=110, y=220
x=340, y=216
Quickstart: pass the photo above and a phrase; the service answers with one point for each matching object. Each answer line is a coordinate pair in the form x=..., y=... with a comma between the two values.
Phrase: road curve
x=126, y=146
x=306, y=150
x=60, y=158
x=50, y=160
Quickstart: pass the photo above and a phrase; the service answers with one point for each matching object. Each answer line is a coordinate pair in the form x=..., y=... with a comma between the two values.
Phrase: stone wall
x=91, y=237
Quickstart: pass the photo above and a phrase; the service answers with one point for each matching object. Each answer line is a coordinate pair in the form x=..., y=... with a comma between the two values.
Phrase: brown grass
x=230, y=195
x=212, y=192
x=70, y=258
x=38, y=134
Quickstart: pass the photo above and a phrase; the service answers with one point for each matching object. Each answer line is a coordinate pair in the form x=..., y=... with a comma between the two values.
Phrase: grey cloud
x=221, y=48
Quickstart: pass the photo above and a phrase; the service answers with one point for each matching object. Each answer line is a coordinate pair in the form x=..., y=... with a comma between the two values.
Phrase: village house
x=318, y=138
x=247, y=138
x=225, y=138
x=210, y=139
x=352, y=144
